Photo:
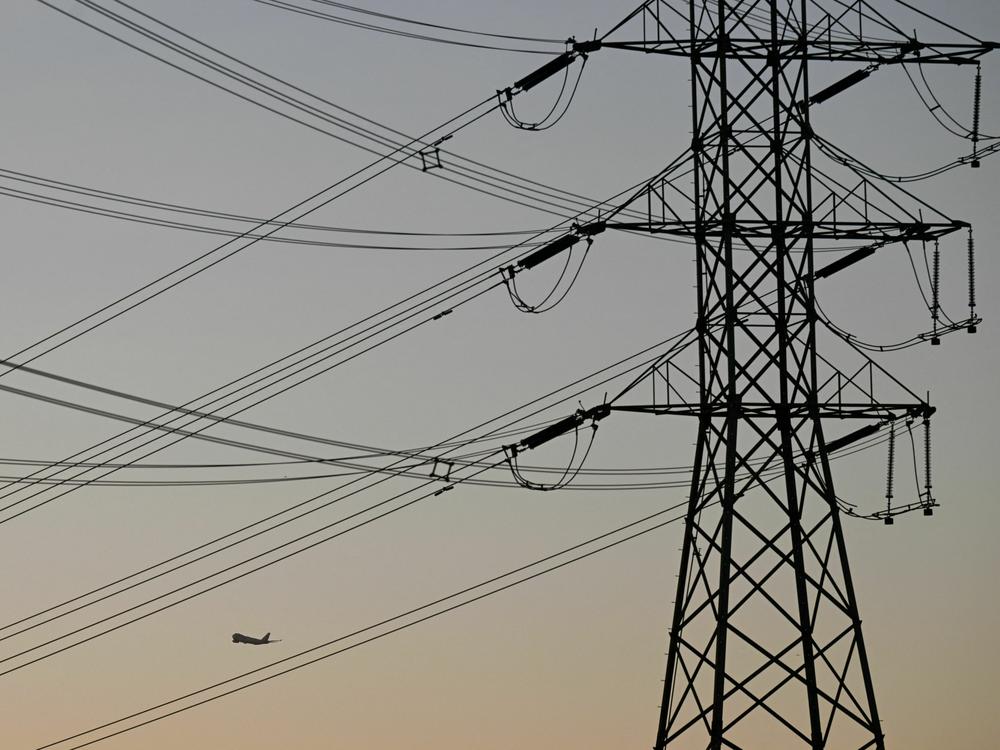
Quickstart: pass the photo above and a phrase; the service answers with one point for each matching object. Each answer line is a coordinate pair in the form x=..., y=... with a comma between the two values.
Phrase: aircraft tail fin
x=266, y=637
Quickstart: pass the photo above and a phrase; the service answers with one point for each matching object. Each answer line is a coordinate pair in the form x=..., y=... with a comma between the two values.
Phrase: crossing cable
x=174, y=208
x=221, y=232
x=388, y=621
x=433, y=481
x=465, y=459
x=576, y=486
x=771, y=474
x=405, y=471
x=73, y=17
x=409, y=314
x=29, y=360
x=322, y=196
x=349, y=463
x=435, y=492
x=539, y=195
x=573, y=200
x=409, y=471
x=152, y=426
x=367, y=451
x=203, y=212
x=168, y=223
x=237, y=464
x=606, y=375
x=838, y=155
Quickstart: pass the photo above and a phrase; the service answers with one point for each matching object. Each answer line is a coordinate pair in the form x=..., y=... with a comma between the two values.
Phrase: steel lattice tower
x=765, y=646
x=749, y=569
x=766, y=643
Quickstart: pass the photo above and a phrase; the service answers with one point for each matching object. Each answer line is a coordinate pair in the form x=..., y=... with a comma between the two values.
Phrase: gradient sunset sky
x=573, y=659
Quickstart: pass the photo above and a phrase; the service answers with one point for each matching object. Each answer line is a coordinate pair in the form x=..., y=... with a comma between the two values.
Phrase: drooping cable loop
x=968, y=324
x=551, y=118
x=944, y=118
x=547, y=303
x=567, y=476
x=938, y=329
x=942, y=315
x=572, y=424
x=936, y=109
x=559, y=64
x=567, y=242
x=924, y=500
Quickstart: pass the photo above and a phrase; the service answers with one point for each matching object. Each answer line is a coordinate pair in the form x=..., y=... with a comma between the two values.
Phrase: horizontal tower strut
x=904, y=52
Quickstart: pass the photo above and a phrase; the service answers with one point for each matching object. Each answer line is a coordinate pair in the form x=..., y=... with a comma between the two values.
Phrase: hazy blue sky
x=573, y=659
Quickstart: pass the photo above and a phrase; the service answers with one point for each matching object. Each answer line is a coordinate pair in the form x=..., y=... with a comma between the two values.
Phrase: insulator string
x=977, y=96
x=936, y=291
x=889, y=471
x=972, y=280
x=929, y=498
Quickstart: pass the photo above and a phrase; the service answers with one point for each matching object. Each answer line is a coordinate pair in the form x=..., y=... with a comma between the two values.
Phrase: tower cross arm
x=858, y=230
x=818, y=48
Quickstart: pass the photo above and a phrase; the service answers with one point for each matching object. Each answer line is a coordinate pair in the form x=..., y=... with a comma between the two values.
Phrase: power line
x=81, y=333
x=442, y=27
x=219, y=231
x=395, y=618
x=96, y=193
x=397, y=318
x=581, y=386
x=450, y=481
x=480, y=468
x=311, y=13
x=310, y=360
x=323, y=198
x=169, y=605
x=183, y=433
x=484, y=178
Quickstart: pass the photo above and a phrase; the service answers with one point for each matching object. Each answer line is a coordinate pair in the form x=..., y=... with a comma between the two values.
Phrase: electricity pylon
x=766, y=647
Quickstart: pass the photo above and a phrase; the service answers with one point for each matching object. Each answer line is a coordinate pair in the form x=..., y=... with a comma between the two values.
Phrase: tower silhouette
x=766, y=638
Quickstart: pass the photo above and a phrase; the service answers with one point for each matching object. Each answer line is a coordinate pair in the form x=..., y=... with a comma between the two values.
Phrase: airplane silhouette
x=265, y=641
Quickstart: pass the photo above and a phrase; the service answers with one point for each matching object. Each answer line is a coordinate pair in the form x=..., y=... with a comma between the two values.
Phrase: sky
x=573, y=658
